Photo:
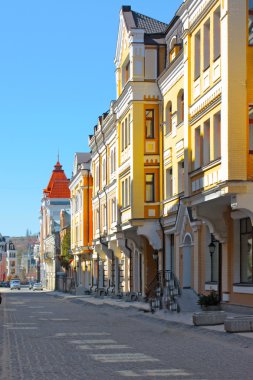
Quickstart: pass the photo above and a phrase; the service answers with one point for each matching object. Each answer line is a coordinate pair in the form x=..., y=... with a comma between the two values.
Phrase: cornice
x=206, y=99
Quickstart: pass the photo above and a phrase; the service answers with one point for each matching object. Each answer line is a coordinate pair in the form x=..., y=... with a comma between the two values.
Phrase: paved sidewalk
x=164, y=315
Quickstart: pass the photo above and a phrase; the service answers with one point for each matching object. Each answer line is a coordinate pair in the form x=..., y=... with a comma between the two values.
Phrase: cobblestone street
x=44, y=336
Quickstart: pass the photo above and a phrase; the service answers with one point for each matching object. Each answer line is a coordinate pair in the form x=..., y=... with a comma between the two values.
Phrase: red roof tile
x=58, y=186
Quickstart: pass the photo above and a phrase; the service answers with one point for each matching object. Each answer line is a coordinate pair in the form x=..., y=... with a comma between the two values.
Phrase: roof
x=138, y=20
x=58, y=186
x=83, y=157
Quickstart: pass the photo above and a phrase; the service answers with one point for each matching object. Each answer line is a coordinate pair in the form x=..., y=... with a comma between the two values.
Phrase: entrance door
x=187, y=266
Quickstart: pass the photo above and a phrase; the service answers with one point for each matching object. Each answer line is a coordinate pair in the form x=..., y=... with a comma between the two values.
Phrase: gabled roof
x=140, y=21
x=82, y=157
x=58, y=186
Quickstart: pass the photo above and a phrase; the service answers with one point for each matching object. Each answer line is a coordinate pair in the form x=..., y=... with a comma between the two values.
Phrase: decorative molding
x=206, y=99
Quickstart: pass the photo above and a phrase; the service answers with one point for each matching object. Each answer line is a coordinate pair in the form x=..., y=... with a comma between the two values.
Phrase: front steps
x=188, y=301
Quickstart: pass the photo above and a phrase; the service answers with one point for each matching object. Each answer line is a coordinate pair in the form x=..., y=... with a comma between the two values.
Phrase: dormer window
x=174, y=48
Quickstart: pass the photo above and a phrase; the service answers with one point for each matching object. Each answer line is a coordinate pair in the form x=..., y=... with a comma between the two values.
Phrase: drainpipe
x=88, y=209
x=163, y=249
x=162, y=189
x=98, y=209
x=220, y=271
x=105, y=179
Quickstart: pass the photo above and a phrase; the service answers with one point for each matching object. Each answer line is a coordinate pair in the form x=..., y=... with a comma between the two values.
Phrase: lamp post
x=211, y=247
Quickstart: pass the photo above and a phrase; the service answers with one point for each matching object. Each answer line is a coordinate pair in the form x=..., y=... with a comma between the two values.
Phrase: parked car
x=5, y=284
x=37, y=286
x=15, y=284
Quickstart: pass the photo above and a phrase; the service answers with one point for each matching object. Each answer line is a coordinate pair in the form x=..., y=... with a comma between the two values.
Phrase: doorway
x=187, y=260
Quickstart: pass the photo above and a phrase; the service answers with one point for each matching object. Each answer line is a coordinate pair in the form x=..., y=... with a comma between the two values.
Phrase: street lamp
x=212, y=248
x=155, y=255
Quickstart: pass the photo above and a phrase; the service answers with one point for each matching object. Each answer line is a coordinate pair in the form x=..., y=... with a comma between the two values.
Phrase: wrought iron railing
x=163, y=291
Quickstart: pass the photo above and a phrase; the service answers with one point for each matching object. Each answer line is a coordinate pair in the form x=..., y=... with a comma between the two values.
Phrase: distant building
x=55, y=198
x=8, y=259
x=3, y=273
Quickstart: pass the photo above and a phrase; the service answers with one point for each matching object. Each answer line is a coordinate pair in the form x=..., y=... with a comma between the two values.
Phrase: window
x=97, y=176
x=122, y=136
x=128, y=129
x=169, y=183
x=125, y=133
x=81, y=199
x=104, y=217
x=113, y=159
x=149, y=124
x=216, y=34
x=251, y=129
x=76, y=233
x=150, y=187
x=168, y=118
x=217, y=135
x=180, y=107
x=246, y=263
x=206, y=44
x=206, y=142
x=180, y=176
x=104, y=169
x=197, y=56
x=97, y=219
x=250, y=23
x=198, y=148
x=114, y=211
x=125, y=192
x=125, y=72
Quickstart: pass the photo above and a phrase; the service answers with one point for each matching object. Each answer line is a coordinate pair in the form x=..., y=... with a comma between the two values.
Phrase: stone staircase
x=188, y=301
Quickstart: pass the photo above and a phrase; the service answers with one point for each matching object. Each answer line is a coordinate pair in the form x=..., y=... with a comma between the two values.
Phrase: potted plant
x=209, y=301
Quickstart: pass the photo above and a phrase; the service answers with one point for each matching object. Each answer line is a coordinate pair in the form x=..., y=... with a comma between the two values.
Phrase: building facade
x=126, y=160
x=172, y=158
x=81, y=221
x=56, y=196
x=9, y=267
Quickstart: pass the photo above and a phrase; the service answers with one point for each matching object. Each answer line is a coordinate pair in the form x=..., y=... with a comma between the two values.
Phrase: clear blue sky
x=56, y=78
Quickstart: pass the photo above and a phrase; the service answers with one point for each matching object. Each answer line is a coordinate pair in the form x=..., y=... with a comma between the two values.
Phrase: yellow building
x=81, y=221
x=126, y=205
x=180, y=138
x=207, y=171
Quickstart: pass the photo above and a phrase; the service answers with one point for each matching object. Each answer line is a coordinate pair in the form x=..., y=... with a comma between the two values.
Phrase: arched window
x=180, y=107
x=168, y=118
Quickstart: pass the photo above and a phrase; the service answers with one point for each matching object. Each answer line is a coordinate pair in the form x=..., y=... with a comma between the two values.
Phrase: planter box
x=207, y=318
x=239, y=324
